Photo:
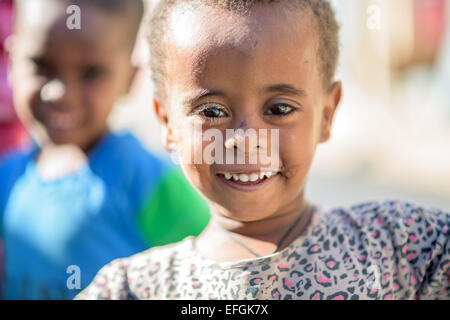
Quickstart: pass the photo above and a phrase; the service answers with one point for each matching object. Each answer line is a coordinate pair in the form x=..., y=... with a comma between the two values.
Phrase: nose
x=236, y=138
x=53, y=91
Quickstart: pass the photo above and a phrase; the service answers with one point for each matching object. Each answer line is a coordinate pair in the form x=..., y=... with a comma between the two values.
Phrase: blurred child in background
x=82, y=195
x=12, y=133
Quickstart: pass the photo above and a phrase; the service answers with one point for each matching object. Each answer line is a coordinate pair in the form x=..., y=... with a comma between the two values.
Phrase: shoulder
x=153, y=265
x=415, y=235
x=13, y=165
x=396, y=216
x=15, y=159
x=398, y=222
x=140, y=276
x=110, y=283
x=408, y=244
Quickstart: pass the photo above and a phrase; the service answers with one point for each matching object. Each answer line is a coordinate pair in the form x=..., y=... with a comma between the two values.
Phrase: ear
x=167, y=132
x=331, y=104
x=9, y=44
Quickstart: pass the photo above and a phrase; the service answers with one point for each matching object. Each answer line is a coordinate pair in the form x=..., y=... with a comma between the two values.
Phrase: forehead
x=191, y=25
x=274, y=37
x=42, y=26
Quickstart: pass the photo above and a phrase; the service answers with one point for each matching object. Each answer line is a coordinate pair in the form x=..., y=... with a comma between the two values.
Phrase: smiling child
x=269, y=65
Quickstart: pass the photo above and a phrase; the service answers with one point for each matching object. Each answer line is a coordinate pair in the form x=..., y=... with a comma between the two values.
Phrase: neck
x=55, y=162
x=270, y=229
x=226, y=239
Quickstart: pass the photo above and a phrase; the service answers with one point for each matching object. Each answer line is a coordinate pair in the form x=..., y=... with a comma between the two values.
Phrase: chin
x=247, y=212
x=61, y=140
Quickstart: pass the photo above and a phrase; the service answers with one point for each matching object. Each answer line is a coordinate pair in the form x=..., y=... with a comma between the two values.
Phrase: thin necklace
x=243, y=245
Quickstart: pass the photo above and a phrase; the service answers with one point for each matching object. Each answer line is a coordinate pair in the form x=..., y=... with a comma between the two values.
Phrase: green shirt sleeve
x=173, y=211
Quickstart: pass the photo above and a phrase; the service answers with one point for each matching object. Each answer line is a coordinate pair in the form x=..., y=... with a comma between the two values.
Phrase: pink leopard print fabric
x=390, y=250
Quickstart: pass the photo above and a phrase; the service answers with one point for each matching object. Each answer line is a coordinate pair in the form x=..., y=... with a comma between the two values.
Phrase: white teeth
x=243, y=177
x=248, y=177
x=63, y=122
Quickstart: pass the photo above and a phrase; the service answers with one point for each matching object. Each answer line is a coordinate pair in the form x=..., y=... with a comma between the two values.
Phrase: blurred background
x=391, y=136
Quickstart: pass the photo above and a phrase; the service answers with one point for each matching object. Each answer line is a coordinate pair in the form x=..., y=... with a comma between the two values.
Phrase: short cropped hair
x=133, y=10
x=328, y=32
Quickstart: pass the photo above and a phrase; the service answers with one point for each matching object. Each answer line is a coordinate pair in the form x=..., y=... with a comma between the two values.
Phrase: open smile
x=247, y=181
x=61, y=121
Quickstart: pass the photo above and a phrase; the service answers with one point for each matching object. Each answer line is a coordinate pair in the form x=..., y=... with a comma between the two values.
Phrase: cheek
x=105, y=91
x=297, y=149
x=187, y=142
x=26, y=95
x=98, y=92
x=98, y=101
x=198, y=175
x=190, y=149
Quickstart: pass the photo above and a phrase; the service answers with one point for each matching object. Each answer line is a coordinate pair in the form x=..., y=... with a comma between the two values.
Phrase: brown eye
x=212, y=112
x=280, y=110
x=41, y=68
x=93, y=73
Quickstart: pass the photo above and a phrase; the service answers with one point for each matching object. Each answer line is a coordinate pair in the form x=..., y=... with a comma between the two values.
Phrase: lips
x=62, y=122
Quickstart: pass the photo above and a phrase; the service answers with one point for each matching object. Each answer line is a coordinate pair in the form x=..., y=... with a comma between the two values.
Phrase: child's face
x=262, y=72
x=66, y=81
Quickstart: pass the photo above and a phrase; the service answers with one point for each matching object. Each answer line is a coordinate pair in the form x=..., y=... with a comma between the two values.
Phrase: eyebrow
x=203, y=94
x=287, y=88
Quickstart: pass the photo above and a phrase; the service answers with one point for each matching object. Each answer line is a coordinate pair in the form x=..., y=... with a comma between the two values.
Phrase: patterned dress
x=389, y=250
